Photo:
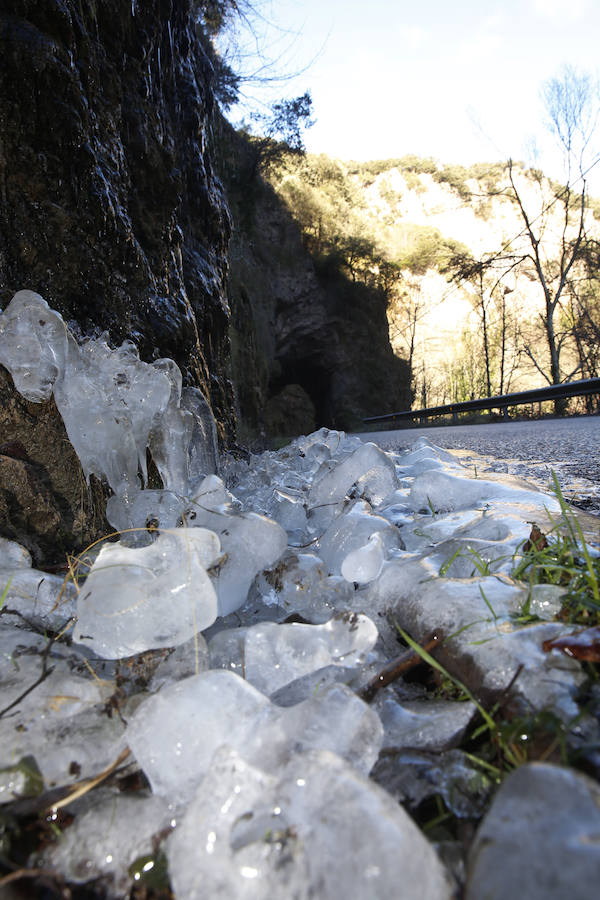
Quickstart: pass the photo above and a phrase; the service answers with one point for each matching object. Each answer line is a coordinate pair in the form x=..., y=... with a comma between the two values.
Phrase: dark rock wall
x=309, y=346
x=109, y=206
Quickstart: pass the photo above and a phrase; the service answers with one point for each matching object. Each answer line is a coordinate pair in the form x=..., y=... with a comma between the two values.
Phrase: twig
x=407, y=660
x=45, y=673
x=31, y=873
x=90, y=783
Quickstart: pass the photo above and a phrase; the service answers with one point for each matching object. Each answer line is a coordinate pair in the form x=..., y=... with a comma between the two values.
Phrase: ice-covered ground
x=232, y=644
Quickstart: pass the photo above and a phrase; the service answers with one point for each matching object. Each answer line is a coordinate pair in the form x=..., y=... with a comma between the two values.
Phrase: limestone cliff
x=310, y=347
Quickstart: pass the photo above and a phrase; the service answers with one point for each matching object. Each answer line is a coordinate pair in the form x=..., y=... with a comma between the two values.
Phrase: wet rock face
x=45, y=503
x=108, y=204
x=309, y=346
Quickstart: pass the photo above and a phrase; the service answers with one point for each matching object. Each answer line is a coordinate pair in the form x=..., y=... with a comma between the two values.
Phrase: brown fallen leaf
x=583, y=644
x=537, y=540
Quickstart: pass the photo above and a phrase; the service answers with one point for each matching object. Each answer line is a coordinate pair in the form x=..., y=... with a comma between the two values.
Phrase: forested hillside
x=489, y=272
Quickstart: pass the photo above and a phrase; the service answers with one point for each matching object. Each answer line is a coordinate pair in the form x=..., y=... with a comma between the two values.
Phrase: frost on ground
x=228, y=643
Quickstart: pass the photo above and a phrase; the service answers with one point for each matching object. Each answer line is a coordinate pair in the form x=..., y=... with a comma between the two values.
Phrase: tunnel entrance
x=315, y=381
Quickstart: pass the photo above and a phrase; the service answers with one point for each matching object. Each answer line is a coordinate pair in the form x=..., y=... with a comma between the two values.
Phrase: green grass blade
x=428, y=658
x=5, y=592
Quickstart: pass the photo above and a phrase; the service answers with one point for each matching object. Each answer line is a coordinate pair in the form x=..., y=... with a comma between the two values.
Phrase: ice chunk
x=300, y=583
x=538, y=807
x=277, y=654
x=365, y=563
x=443, y=492
x=351, y=531
x=155, y=596
x=33, y=345
x=316, y=829
x=41, y=599
x=175, y=733
x=59, y=721
x=107, y=836
x=13, y=555
x=203, y=449
x=113, y=405
x=334, y=719
x=109, y=400
x=22, y=779
x=212, y=495
x=368, y=467
x=172, y=433
x=185, y=660
x=412, y=776
x=249, y=542
x=423, y=724
x=289, y=511
x=149, y=511
x=271, y=655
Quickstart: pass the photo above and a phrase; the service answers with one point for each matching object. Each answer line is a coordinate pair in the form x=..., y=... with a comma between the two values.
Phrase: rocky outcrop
x=110, y=209
x=109, y=206
x=305, y=338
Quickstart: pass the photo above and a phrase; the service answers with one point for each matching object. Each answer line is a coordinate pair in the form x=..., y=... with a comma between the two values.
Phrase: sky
x=458, y=80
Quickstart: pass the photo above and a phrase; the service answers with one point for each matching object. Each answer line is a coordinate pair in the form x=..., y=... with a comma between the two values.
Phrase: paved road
x=531, y=450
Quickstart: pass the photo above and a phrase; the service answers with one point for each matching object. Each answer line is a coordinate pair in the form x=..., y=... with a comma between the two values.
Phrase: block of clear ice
x=183, y=440
x=368, y=467
x=365, y=563
x=249, y=544
x=137, y=599
x=43, y=600
x=269, y=655
x=444, y=491
x=150, y=511
x=315, y=828
x=59, y=721
x=203, y=453
x=113, y=404
x=211, y=495
x=110, y=832
x=351, y=531
x=33, y=345
x=109, y=400
x=299, y=583
x=174, y=734
x=13, y=555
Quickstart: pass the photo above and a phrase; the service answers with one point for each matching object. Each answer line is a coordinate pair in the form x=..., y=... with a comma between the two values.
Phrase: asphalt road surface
x=532, y=450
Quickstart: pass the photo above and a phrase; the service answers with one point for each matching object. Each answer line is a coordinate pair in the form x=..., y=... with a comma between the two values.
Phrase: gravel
x=532, y=450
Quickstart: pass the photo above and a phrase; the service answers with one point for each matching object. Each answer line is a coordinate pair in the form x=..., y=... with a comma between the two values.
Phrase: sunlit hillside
x=468, y=282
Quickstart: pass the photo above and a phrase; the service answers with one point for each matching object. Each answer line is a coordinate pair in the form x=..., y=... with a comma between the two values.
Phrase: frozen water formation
x=316, y=828
x=232, y=640
x=114, y=406
x=154, y=596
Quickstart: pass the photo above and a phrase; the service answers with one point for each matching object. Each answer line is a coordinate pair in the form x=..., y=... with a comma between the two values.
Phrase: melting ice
x=298, y=567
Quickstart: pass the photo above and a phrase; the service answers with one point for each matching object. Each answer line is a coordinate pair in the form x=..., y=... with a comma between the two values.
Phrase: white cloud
x=561, y=9
x=412, y=35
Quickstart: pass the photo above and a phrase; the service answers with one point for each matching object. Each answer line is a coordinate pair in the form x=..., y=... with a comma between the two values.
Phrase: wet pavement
x=532, y=450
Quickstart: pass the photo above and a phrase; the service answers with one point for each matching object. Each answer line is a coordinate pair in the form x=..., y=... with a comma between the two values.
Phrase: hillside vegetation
x=489, y=272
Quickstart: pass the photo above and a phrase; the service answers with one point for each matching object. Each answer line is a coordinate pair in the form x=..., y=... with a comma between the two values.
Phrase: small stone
x=540, y=840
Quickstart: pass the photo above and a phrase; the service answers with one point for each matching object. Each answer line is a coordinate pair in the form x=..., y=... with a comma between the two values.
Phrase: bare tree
x=488, y=291
x=572, y=106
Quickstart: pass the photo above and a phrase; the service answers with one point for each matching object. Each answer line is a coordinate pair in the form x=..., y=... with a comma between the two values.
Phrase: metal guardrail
x=502, y=401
